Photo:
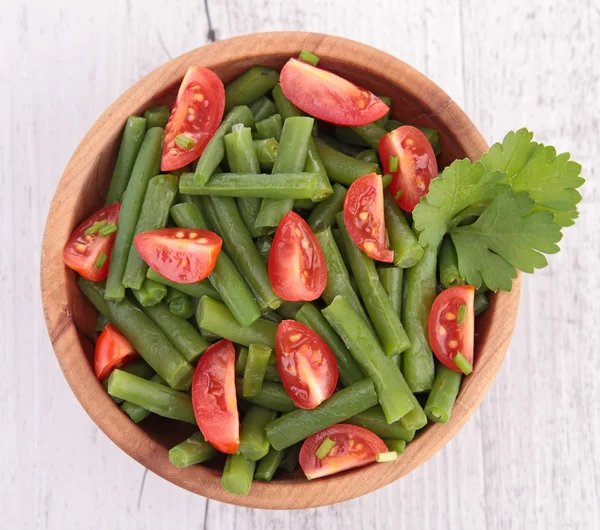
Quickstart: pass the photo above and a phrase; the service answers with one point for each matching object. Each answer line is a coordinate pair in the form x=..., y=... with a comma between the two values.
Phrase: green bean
x=147, y=159
x=314, y=164
x=368, y=155
x=159, y=198
x=374, y=420
x=250, y=86
x=404, y=243
x=216, y=318
x=370, y=133
x=385, y=118
x=207, y=335
x=253, y=437
x=348, y=369
x=417, y=361
x=341, y=147
x=348, y=136
x=291, y=158
x=392, y=125
x=215, y=149
x=254, y=371
x=450, y=276
x=270, y=127
x=101, y=322
x=395, y=397
x=263, y=245
x=481, y=303
x=304, y=204
x=288, y=310
x=395, y=445
x=150, y=293
x=432, y=135
x=262, y=108
x=225, y=277
x=342, y=168
x=301, y=423
x=237, y=474
x=285, y=108
x=135, y=412
x=339, y=241
x=195, y=290
x=272, y=396
x=268, y=465
x=271, y=372
x=443, y=394
x=157, y=116
x=194, y=450
x=133, y=135
x=143, y=334
x=289, y=462
x=139, y=367
x=266, y=152
x=391, y=278
x=182, y=307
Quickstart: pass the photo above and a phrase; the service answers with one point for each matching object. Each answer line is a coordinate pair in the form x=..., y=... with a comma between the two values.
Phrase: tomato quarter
x=196, y=114
x=308, y=369
x=182, y=255
x=112, y=351
x=417, y=164
x=328, y=96
x=296, y=263
x=363, y=215
x=353, y=447
x=214, y=399
x=83, y=251
x=452, y=325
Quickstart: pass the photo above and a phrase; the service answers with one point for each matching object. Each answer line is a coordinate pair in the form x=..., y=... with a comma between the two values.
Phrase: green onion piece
x=393, y=164
x=324, y=448
x=108, y=229
x=185, y=142
x=100, y=261
x=465, y=366
x=398, y=195
x=462, y=314
x=91, y=230
x=386, y=180
x=308, y=57
x=388, y=456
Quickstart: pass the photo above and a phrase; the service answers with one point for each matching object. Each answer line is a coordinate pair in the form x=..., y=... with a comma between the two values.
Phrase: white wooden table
x=529, y=458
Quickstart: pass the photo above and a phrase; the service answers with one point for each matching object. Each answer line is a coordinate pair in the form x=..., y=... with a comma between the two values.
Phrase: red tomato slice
x=308, y=369
x=328, y=96
x=417, y=164
x=112, y=351
x=363, y=215
x=447, y=335
x=82, y=251
x=197, y=114
x=214, y=399
x=182, y=255
x=296, y=263
x=354, y=447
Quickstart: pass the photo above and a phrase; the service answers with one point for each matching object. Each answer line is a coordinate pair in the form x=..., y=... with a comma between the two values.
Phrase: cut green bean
x=262, y=108
x=450, y=276
x=369, y=156
x=308, y=57
x=289, y=462
x=272, y=396
x=342, y=168
x=341, y=147
x=194, y=450
x=254, y=371
x=339, y=241
x=139, y=367
x=270, y=127
x=285, y=108
x=135, y=412
x=182, y=307
x=398, y=446
x=157, y=116
x=254, y=444
x=150, y=293
x=374, y=420
x=392, y=278
x=348, y=136
x=443, y=394
x=370, y=133
x=404, y=243
x=481, y=303
x=195, y=290
x=288, y=310
x=101, y=322
x=263, y=245
x=266, y=152
x=314, y=164
x=385, y=118
x=268, y=465
x=271, y=372
x=250, y=86
x=304, y=204
x=238, y=474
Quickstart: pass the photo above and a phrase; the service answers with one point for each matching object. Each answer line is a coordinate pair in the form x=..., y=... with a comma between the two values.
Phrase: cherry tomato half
x=82, y=251
x=452, y=325
x=363, y=215
x=296, y=263
x=182, y=255
x=328, y=96
x=112, y=351
x=214, y=399
x=196, y=114
x=354, y=447
x=308, y=369
x=417, y=165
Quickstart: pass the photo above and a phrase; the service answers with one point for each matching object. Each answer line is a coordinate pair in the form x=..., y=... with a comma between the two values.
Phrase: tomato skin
x=202, y=92
x=344, y=455
x=182, y=255
x=214, y=399
x=443, y=315
x=417, y=164
x=306, y=365
x=328, y=96
x=365, y=200
x=297, y=267
x=112, y=351
x=81, y=251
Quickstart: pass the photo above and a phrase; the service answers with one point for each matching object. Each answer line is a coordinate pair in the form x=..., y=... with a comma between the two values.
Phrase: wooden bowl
x=81, y=191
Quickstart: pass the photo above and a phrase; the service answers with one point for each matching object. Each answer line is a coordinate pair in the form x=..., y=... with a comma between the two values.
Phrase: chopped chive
x=386, y=180
x=108, y=229
x=308, y=57
x=100, y=261
x=185, y=142
x=462, y=314
x=324, y=448
x=465, y=366
x=91, y=230
x=393, y=164
x=398, y=195
x=388, y=456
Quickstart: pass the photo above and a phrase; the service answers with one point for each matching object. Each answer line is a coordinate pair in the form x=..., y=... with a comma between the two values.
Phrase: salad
x=281, y=264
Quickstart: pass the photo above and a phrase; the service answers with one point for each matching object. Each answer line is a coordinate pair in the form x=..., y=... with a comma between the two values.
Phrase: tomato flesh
x=197, y=114
x=214, y=399
x=82, y=250
x=112, y=351
x=328, y=96
x=308, y=369
x=297, y=267
x=417, y=164
x=354, y=447
x=447, y=336
x=364, y=218
x=182, y=255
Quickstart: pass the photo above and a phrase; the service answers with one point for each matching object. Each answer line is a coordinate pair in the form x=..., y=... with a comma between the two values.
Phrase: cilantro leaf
x=509, y=235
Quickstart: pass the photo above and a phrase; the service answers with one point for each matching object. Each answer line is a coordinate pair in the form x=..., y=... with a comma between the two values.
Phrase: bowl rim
x=70, y=353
